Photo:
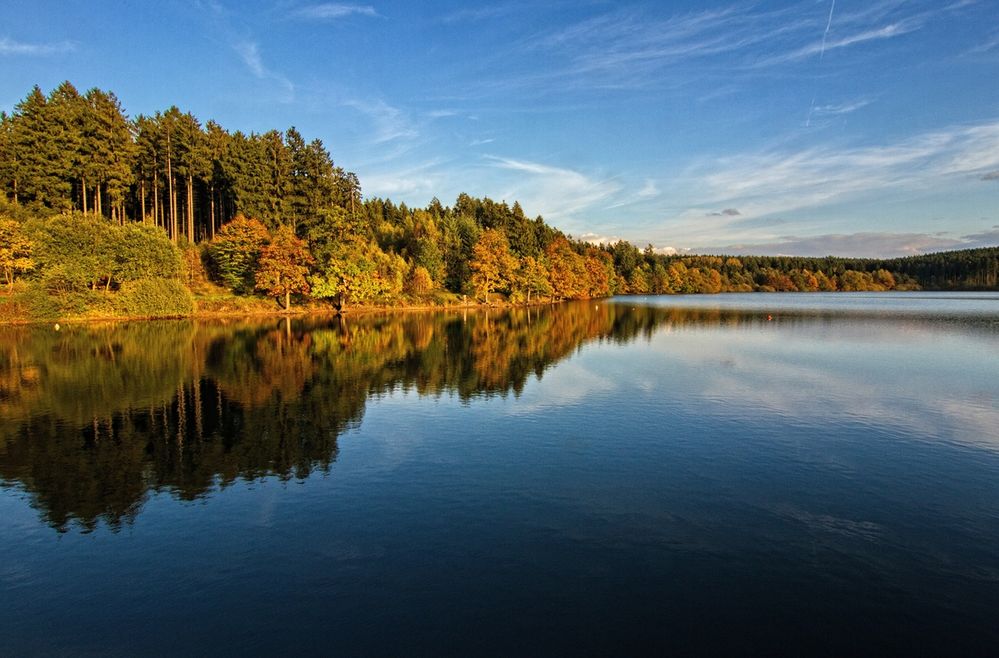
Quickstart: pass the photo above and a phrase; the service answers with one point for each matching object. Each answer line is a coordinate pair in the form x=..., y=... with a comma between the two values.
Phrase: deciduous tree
x=492, y=265
x=236, y=250
x=284, y=266
x=15, y=250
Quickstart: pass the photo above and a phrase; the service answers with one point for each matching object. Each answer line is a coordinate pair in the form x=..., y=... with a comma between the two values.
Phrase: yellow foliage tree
x=492, y=264
x=15, y=250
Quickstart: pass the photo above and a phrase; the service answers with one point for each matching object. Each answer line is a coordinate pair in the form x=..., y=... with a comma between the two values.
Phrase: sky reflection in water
x=600, y=477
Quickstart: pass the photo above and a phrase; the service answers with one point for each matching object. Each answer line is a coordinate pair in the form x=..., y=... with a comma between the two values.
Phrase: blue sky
x=852, y=128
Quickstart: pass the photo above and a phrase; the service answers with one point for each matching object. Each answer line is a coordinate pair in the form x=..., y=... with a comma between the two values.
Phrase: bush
x=38, y=303
x=154, y=297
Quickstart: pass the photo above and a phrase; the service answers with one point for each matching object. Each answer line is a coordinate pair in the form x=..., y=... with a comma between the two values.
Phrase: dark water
x=646, y=475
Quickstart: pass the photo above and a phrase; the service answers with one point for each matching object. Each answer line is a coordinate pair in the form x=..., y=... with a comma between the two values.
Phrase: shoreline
x=278, y=313
x=365, y=310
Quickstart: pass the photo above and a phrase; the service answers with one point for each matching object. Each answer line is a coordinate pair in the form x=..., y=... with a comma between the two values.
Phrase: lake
x=736, y=474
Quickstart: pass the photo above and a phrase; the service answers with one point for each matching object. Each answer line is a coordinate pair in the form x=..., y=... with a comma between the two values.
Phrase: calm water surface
x=738, y=474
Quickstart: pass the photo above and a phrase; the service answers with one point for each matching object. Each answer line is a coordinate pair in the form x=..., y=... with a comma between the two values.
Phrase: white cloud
x=390, y=123
x=478, y=14
x=840, y=108
x=423, y=179
x=865, y=244
x=555, y=192
x=11, y=47
x=332, y=11
x=781, y=180
x=249, y=52
x=648, y=190
x=600, y=240
x=884, y=32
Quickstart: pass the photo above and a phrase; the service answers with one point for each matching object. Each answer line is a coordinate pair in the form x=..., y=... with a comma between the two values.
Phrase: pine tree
x=39, y=165
x=110, y=148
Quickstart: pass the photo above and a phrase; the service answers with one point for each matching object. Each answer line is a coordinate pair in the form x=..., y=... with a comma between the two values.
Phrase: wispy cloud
x=630, y=48
x=884, y=32
x=249, y=52
x=557, y=193
x=840, y=108
x=649, y=190
x=625, y=47
x=861, y=245
x=782, y=180
x=390, y=123
x=424, y=179
x=992, y=175
x=990, y=45
x=329, y=11
x=12, y=47
x=476, y=14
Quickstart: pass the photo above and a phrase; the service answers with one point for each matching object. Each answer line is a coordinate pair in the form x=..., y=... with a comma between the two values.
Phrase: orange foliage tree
x=492, y=265
x=284, y=266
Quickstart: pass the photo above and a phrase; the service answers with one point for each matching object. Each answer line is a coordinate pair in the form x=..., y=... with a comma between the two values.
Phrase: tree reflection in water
x=95, y=417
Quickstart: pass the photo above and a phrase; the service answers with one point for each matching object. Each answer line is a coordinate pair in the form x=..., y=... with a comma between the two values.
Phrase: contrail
x=822, y=51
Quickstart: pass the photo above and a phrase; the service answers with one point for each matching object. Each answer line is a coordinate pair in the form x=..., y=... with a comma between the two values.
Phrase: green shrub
x=154, y=297
x=37, y=303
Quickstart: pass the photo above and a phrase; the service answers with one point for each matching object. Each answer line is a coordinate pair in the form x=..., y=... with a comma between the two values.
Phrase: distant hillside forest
x=162, y=215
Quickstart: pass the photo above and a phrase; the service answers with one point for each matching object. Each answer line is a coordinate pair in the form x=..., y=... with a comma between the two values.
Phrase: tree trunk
x=211, y=229
x=190, y=208
x=173, y=196
x=83, y=194
x=287, y=301
x=156, y=197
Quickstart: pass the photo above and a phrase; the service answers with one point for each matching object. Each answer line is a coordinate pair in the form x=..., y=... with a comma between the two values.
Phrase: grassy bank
x=27, y=303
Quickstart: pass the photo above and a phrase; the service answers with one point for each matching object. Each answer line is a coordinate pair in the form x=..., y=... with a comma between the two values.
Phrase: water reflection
x=95, y=418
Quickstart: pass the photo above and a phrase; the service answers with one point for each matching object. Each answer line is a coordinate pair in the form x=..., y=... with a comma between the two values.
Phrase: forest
x=102, y=215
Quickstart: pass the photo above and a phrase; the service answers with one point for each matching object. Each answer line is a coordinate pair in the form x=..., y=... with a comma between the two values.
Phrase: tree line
x=271, y=213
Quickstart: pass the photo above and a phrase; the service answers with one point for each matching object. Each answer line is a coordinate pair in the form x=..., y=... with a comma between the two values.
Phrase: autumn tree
x=418, y=282
x=15, y=250
x=638, y=282
x=492, y=264
x=566, y=269
x=284, y=266
x=532, y=279
x=235, y=251
x=359, y=273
